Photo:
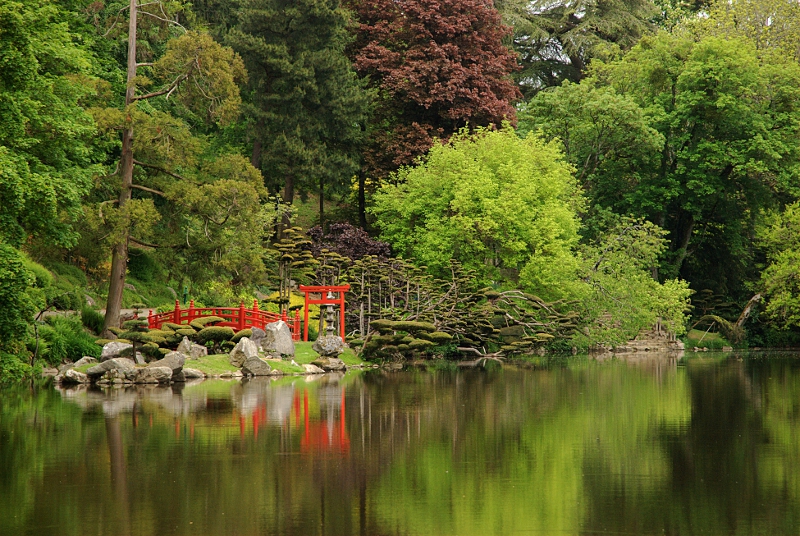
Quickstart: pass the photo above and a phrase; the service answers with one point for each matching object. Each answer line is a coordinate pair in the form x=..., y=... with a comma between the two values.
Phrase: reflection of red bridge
x=237, y=318
x=328, y=436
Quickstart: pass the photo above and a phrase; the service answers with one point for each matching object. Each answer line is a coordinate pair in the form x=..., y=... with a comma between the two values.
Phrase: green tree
x=606, y=136
x=619, y=295
x=710, y=130
x=780, y=236
x=19, y=307
x=306, y=105
x=771, y=25
x=46, y=154
x=200, y=76
x=496, y=203
x=557, y=40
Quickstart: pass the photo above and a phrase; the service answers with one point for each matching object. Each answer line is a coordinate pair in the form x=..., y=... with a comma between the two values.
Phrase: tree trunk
x=288, y=197
x=119, y=257
x=322, y=204
x=255, y=158
x=685, y=238
x=362, y=199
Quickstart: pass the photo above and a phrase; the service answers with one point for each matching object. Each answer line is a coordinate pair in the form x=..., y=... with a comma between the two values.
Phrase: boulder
x=313, y=369
x=257, y=336
x=185, y=347
x=73, y=376
x=255, y=366
x=329, y=363
x=179, y=376
x=173, y=360
x=192, y=350
x=193, y=374
x=121, y=364
x=198, y=351
x=151, y=375
x=328, y=345
x=114, y=349
x=244, y=350
x=278, y=339
x=84, y=361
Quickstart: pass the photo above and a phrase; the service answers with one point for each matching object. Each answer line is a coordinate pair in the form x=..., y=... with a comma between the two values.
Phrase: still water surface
x=657, y=445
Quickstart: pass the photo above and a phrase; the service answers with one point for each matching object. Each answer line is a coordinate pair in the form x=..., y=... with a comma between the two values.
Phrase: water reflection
x=641, y=445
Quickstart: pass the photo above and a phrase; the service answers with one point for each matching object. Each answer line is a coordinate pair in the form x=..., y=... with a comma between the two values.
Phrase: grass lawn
x=701, y=339
x=218, y=364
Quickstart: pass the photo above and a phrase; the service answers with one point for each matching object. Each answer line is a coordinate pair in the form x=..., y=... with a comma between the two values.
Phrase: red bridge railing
x=237, y=318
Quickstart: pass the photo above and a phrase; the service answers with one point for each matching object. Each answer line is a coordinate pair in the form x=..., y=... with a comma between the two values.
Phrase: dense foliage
x=158, y=149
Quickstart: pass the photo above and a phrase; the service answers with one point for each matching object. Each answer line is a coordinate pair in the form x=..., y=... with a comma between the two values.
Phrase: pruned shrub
x=247, y=332
x=215, y=335
x=203, y=321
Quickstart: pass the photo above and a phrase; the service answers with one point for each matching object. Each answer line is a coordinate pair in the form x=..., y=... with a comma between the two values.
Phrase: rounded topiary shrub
x=215, y=335
x=203, y=321
x=247, y=332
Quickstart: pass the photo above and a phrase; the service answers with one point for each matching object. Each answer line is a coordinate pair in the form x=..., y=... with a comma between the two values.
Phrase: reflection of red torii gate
x=323, y=291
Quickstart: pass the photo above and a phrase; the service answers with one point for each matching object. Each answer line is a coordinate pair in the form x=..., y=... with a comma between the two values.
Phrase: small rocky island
x=252, y=356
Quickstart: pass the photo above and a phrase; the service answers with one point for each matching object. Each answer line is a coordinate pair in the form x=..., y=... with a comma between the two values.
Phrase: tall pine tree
x=307, y=106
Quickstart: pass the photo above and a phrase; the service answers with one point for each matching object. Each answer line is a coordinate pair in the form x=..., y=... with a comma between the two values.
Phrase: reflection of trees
x=715, y=483
x=615, y=446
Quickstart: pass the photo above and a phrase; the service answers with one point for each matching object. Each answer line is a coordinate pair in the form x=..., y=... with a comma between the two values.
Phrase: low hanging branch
x=160, y=170
x=146, y=189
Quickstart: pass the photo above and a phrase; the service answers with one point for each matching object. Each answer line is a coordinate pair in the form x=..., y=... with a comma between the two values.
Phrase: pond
x=706, y=444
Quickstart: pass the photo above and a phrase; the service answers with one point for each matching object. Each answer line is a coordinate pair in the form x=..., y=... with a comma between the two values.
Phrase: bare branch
x=146, y=189
x=167, y=91
x=164, y=18
x=161, y=170
x=147, y=244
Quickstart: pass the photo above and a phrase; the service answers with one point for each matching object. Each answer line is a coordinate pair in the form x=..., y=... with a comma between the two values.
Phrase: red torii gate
x=323, y=291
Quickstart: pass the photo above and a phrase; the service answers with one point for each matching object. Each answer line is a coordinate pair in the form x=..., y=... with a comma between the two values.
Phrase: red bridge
x=238, y=318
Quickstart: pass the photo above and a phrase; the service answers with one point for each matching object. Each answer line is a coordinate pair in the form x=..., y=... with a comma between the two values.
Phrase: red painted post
x=255, y=305
x=176, y=314
x=341, y=314
x=241, y=315
x=305, y=320
x=191, y=311
x=296, y=327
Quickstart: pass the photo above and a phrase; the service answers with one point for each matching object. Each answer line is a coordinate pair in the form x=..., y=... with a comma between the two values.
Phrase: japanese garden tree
x=192, y=81
x=438, y=67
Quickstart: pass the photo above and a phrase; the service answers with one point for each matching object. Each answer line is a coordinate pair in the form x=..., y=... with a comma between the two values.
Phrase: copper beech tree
x=438, y=65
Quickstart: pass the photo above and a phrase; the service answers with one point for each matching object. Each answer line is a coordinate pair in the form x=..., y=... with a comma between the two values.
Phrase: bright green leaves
x=208, y=75
x=46, y=153
x=620, y=296
x=780, y=236
x=18, y=307
x=492, y=201
x=694, y=135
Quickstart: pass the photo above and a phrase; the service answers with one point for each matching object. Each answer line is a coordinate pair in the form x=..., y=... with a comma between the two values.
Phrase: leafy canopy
x=492, y=201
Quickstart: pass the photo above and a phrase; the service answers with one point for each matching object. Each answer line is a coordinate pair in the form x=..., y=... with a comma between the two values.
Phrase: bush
x=64, y=339
x=92, y=320
x=203, y=321
x=215, y=336
x=243, y=333
x=12, y=368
